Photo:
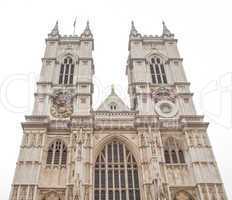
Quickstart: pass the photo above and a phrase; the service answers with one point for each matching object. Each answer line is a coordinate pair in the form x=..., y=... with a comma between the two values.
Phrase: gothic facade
x=156, y=149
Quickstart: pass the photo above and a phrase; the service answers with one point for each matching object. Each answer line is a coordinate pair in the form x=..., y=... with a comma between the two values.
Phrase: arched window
x=113, y=106
x=116, y=174
x=135, y=103
x=158, y=74
x=174, y=157
x=66, y=71
x=181, y=156
x=173, y=152
x=57, y=153
x=167, y=157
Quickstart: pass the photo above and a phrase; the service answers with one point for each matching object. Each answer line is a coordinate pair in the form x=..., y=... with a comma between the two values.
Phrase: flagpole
x=74, y=26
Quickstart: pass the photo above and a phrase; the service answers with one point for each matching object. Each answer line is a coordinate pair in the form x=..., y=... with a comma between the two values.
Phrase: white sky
x=204, y=32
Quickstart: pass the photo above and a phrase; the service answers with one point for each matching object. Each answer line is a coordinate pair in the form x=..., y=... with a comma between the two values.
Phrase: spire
x=87, y=32
x=112, y=89
x=55, y=30
x=113, y=103
x=133, y=31
x=166, y=31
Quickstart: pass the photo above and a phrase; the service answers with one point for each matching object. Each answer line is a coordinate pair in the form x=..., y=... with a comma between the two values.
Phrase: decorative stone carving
x=52, y=196
x=166, y=108
x=153, y=148
x=163, y=93
x=165, y=100
x=183, y=196
x=62, y=104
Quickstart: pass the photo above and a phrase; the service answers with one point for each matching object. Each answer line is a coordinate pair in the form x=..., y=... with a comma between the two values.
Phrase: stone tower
x=48, y=166
x=175, y=153
x=158, y=149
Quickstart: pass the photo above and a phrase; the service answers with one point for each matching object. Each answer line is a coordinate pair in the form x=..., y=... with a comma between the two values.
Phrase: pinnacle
x=55, y=30
x=166, y=31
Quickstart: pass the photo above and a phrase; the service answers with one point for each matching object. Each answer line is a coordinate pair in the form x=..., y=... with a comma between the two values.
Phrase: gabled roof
x=113, y=103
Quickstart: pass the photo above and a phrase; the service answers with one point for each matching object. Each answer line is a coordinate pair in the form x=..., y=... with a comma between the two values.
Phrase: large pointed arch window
x=116, y=174
x=158, y=74
x=66, y=71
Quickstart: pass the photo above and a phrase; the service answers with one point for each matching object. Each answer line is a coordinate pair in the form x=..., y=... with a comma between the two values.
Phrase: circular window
x=166, y=108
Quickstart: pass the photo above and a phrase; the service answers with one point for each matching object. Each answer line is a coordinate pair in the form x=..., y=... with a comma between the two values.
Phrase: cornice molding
x=44, y=83
x=48, y=59
x=175, y=59
x=43, y=125
x=181, y=83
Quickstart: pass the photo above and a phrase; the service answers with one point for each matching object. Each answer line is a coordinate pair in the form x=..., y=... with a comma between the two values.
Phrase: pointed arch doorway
x=116, y=174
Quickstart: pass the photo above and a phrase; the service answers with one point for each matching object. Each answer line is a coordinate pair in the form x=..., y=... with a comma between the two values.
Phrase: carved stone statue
x=143, y=140
x=86, y=196
x=88, y=139
x=77, y=190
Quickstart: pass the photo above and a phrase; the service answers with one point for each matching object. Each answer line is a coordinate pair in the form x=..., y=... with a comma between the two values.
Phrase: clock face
x=166, y=108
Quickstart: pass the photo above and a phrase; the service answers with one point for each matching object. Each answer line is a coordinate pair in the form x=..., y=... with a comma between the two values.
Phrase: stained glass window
x=116, y=174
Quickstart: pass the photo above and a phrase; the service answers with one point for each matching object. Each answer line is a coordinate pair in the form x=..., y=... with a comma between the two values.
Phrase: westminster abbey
x=157, y=148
